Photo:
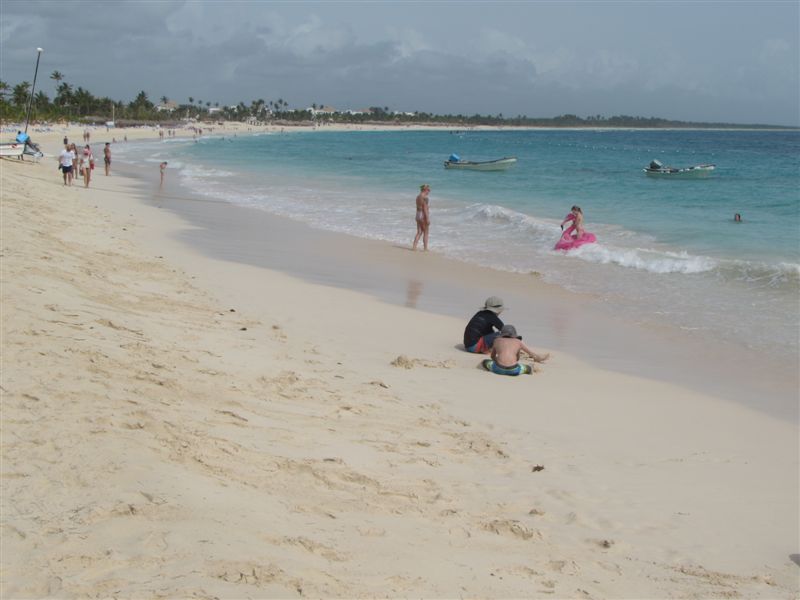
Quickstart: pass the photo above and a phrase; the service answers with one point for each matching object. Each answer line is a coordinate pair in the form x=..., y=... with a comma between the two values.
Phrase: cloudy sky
x=722, y=61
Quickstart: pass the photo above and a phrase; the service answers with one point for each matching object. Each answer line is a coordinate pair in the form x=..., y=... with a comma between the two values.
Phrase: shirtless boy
x=506, y=350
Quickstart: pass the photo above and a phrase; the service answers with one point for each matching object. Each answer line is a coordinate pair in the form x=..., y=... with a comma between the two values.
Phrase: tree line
x=80, y=105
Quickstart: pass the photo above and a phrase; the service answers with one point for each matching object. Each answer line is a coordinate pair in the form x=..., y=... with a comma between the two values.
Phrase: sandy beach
x=177, y=424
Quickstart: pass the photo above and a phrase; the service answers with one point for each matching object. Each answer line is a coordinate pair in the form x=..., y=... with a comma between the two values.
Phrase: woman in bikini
x=423, y=216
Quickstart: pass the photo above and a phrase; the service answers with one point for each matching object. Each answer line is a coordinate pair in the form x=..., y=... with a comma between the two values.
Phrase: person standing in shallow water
x=423, y=217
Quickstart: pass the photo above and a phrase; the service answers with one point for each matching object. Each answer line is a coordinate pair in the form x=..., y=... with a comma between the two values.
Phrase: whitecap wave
x=652, y=261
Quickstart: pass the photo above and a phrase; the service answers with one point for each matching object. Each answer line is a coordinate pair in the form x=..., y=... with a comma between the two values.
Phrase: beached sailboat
x=23, y=144
x=656, y=169
x=501, y=164
x=11, y=149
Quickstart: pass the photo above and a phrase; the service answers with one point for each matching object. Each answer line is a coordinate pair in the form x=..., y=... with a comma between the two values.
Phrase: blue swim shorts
x=517, y=369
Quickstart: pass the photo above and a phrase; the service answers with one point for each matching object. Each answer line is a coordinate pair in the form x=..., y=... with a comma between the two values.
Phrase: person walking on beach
x=65, y=160
x=423, y=217
x=163, y=169
x=107, y=157
x=484, y=326
x=87, y=164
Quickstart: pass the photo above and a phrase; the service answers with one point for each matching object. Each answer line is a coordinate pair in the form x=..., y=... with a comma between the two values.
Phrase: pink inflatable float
x=569, y=241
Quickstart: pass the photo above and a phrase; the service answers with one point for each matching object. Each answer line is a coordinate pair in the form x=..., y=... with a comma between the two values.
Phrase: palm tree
x=164, y=100
x=63, y=94
x=41, y=100
x=57, y=76
x=4, y=87
x=191, y=100
x=19, y=96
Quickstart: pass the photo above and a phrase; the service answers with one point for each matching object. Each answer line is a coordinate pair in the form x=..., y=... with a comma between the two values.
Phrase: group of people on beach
x=486, y=333
x=71, y=159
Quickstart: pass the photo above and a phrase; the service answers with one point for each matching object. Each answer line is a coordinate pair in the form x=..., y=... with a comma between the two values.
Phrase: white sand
x=157, y=443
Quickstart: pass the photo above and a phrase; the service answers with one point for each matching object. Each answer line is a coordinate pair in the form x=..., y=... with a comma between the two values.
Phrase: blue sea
x=668, y=251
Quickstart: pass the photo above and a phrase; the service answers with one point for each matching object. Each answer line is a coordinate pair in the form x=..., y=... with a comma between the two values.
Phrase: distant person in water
x=575, y=235
x=484, y=327
x=737, y=217
x=163, y=169
x=576, y=216
x=423, y=217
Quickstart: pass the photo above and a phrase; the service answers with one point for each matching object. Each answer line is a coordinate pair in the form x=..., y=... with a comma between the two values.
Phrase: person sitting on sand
x=480, y=331
x=506, y=351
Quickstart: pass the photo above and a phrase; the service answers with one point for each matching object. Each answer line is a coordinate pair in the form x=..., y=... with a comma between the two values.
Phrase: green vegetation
x=79, y=105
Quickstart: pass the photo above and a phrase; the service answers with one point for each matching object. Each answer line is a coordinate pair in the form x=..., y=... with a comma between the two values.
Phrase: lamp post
x=33, y=87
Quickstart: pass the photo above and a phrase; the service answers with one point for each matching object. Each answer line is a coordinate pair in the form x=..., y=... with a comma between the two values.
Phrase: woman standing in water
x=423, y=216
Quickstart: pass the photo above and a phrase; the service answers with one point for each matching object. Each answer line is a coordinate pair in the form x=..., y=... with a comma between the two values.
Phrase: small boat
x=656, y=169
x=23, y=144
x=33, y=150
x=501, y=164
x=12, y=149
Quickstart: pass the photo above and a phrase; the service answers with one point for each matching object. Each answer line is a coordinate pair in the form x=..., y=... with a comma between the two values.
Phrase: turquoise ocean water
x=668, y=251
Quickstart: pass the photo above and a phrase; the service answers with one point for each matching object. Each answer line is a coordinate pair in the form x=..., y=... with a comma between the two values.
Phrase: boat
x=12, y=149
x=23, y=143
x=33, y=150
x=656, y=169
x=501, y=164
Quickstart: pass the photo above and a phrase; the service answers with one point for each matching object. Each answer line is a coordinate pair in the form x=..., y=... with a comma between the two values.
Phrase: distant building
x=360, y=111
x=322, y=110
x=168, y=106
x=214, y=109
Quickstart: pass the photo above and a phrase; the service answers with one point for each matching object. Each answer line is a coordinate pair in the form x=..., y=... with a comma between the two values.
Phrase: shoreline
x=265, y=444
x=546, y=313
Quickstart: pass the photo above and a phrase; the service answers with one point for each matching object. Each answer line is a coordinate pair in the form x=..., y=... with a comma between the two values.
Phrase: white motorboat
x=501, y=164
x=656, y=169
